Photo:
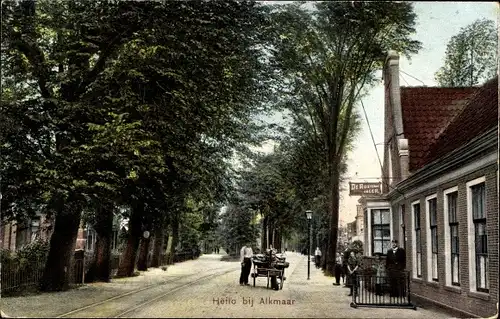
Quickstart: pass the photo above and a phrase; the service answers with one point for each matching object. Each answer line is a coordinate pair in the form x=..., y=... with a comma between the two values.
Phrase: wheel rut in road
x=124, y=303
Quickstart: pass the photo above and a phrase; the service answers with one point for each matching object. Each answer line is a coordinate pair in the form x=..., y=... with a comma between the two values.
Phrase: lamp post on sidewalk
x=309, y=217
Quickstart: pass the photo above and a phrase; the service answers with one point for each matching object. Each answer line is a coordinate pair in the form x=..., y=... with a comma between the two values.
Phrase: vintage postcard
x=249, y=159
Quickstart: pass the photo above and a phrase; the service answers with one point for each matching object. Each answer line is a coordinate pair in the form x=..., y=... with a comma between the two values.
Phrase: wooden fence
x=16, y=277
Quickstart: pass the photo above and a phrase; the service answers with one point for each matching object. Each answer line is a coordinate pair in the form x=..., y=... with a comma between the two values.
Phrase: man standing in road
x=395, y=266
x=246, y=254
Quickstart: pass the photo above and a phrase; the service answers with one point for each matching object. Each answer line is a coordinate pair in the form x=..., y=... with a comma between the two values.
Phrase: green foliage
x=238, y=227
x=471, y=56
x=115, y=103
x=160, y=112
x=119, y=103
x=327, y=58
x=32, y=254
x=190, y=229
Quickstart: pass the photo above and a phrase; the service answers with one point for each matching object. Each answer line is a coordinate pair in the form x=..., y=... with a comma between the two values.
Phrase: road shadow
x=230, y=258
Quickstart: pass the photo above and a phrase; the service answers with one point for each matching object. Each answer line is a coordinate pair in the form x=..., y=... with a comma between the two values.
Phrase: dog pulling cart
x=270, y=266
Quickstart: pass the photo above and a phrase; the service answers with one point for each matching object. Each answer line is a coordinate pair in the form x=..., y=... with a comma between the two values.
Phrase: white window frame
x=114, y=240
x=370, y=207
x=428, y=236
x=447, y=235
x=471, y=233
x=35, y=228
x=414, y=238
x=371, y=228
x=90, y=231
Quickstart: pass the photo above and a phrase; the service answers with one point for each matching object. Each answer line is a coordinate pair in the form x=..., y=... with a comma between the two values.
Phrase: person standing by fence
x=246, y=255
x=338, y=269
x=353, y=266
x=379, y=274
x=395, y=266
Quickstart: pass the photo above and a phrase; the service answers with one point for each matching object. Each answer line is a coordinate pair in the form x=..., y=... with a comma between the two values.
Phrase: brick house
x=440, y=191
x=14, y=235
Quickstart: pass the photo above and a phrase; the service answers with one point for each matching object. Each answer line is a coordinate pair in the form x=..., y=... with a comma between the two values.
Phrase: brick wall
x=456, y=297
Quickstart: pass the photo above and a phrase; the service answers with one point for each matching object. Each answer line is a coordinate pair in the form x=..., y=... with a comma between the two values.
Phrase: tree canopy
x=143, y=105
x=327, y=58
x=471, y=56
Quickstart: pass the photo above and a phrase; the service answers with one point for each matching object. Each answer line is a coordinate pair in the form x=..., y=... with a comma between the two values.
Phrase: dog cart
x=270, y=266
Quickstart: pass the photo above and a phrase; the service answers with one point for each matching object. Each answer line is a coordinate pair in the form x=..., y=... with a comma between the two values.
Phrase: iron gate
x=382, y=291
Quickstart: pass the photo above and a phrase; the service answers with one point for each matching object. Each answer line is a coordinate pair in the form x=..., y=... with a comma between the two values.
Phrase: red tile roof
x=479, y=115
x=426, y=113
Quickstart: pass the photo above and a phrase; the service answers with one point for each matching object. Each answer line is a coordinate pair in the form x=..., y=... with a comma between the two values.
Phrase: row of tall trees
x=326, y=58
x=141, y=106
x=121, y=104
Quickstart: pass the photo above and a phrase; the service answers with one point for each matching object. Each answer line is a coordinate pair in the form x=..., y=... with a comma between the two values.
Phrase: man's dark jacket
x=396, y=261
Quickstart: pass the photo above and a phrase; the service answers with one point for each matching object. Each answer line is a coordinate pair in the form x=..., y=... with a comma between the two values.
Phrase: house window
x=114, y=240
x=480, y=236
x=418, y=240
x=22, y=235
x=432, y=237
x=35, y=229
x=451, y=201
x=381, y=231
x=91, y=236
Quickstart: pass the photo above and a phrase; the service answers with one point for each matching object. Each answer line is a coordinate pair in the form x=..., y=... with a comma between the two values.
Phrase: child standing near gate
x=379, y=274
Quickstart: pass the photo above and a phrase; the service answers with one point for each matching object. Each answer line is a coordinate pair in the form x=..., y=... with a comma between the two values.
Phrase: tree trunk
x=324, y=248
x=273, y=236
x=142, y=263
x=334, y=217
x=270, y=233
x=56, y=275
x=168, y=250
x=277, y=239
x=159, y=240
x=127, y=263
x=101, y=267
x=174, y=239
x=264, y=234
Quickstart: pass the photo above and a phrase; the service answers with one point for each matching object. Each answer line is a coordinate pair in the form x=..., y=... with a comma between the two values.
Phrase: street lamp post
x=308, y=216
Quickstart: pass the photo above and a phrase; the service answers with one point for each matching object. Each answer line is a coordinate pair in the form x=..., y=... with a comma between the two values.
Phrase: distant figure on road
x=395, y=266
x=246, y=255
x=317, y=257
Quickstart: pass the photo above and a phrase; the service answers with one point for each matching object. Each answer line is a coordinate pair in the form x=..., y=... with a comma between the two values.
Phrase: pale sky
x=437, y=22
